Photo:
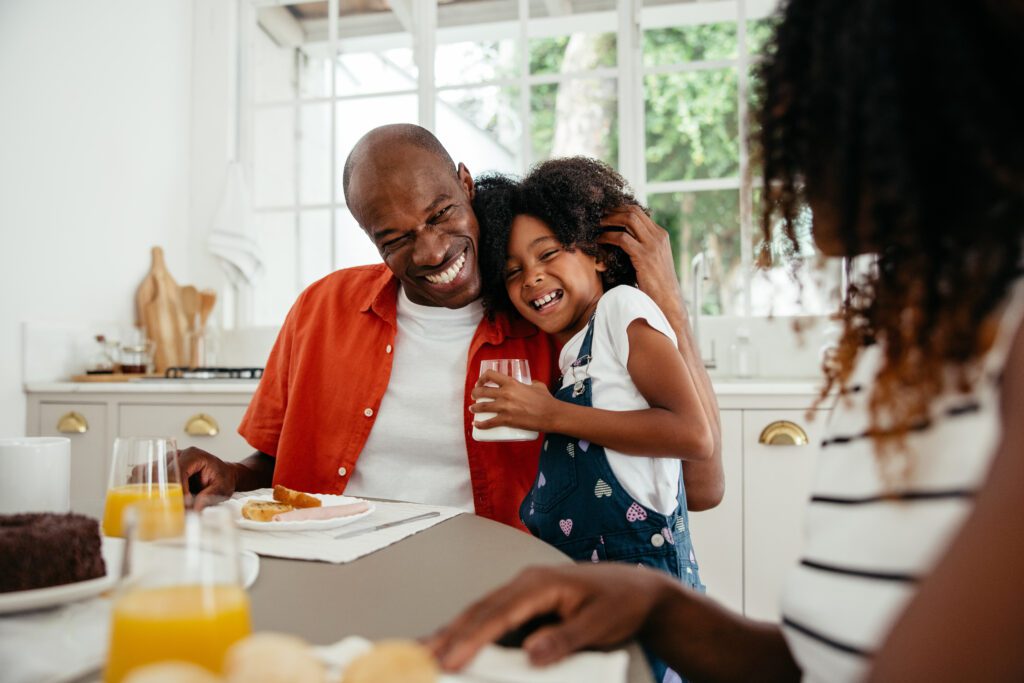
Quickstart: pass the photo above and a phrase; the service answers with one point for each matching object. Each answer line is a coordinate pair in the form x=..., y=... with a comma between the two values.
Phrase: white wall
x=94, y=162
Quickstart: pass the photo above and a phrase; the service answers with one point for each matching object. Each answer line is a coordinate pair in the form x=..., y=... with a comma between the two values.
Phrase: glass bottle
x=743, y=360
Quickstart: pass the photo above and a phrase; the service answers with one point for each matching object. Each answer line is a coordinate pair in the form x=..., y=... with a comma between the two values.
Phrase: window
x=505, y=84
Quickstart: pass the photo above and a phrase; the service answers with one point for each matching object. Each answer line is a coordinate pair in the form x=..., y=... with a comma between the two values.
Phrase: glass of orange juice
x=144, y=476
x=180, y=598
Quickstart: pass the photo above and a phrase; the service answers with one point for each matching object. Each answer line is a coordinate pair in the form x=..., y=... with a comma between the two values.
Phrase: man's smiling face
x=418, y=212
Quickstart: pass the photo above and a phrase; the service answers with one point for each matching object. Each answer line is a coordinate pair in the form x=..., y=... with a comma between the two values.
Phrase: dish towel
x=231, y=239
x=323, y=547
x=55, y=644
x=501, y=665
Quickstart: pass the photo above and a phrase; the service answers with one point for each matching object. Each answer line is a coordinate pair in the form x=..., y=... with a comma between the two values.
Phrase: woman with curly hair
x=894, y=122
x=626, y=412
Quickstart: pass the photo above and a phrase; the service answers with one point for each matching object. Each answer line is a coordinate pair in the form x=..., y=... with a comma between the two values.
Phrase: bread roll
x=171, y=672
x=393, y=661
x=263, y=510
x=272, y=658
x=297, y=499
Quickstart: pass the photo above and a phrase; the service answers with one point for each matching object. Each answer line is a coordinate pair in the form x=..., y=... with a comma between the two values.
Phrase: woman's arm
x=967, y=620
x=604, y=606
x=647, y=245
x=674, y=425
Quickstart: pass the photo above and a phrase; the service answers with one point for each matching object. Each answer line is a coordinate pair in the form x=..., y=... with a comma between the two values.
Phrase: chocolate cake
x=45, y=549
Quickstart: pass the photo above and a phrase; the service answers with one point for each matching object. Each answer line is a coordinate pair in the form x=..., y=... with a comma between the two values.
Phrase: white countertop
x=723, y=387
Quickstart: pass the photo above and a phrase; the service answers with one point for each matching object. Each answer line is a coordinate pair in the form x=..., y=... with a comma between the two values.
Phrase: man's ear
x=467, y=181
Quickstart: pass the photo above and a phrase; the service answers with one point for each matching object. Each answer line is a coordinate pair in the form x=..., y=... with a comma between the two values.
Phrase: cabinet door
x=86, y=425
x=718, y=533
x=776, y=485
x=214, y=427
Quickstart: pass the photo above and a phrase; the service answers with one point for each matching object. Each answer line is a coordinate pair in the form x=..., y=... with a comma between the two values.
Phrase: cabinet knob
x=783, y=433
x=73, y=423
x=202, y=425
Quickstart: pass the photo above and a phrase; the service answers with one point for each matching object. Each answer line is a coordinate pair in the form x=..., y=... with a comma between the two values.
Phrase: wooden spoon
x=190, y=304
x=207, y=300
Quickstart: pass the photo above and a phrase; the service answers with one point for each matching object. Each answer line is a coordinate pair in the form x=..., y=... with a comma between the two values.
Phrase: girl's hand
x=524, y=406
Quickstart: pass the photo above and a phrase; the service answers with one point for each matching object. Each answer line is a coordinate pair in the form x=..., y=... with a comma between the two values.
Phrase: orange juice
x=192, y=623
x=161, y=510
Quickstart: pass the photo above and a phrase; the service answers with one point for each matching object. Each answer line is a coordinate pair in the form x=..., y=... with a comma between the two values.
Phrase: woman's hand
x=524, y=406
x=599, y=606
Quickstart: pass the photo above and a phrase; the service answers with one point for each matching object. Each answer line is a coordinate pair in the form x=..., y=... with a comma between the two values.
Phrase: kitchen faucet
x=699, y=273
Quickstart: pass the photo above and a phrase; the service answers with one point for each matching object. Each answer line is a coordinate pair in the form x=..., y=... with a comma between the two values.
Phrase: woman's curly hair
x=896, y=117
x=571, y=195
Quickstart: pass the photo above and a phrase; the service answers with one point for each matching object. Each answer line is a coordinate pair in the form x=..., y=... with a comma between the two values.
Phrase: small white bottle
x=743, y=360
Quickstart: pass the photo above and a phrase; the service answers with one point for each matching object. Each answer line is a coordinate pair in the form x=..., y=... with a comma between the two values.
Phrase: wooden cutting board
x=159, y=307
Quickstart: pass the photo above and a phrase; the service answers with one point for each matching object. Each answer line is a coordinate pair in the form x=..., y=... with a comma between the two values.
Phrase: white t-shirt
x=652, y=482
x=416, y=450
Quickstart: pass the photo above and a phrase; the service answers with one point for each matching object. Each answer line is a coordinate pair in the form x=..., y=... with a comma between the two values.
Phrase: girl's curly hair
x=571, y=195
x=897, y=117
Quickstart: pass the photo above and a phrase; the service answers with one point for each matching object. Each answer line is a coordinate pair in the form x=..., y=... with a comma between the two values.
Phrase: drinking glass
x=518, y=369
x=179, y=598
x=144, y=476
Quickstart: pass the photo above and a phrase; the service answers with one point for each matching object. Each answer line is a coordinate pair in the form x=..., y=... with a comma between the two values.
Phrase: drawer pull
x=73, y=423
x=201, y=425
x=783, y=433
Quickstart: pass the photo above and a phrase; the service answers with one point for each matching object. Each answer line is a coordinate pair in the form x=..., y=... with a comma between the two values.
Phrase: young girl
x=626, y=411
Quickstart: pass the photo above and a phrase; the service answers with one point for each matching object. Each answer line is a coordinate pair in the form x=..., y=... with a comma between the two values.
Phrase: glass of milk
x=519, y=370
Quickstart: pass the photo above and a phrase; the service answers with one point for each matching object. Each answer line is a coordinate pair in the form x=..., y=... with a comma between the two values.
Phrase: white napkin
x=502, y=665
x=322, y=546
x=56, y=644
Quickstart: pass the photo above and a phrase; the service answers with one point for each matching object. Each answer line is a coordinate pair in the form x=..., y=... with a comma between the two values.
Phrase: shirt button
x=657, y=540
x=387, y=349
x=342, y=471
x=368, y=412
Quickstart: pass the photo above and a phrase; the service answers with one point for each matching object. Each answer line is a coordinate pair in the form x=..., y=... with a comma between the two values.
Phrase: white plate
x=38, y=598
x=235, y=505
x=113, y=552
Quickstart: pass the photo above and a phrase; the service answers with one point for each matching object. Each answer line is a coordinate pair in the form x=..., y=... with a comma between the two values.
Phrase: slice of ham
x=327, y=512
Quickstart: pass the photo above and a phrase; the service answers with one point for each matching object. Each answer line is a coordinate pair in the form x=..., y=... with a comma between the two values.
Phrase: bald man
x=367, y=388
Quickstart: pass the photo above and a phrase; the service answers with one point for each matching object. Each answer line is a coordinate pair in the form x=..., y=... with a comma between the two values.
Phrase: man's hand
x=524, y=406
x=599, y=606
x=207, y=479
x=649, y=248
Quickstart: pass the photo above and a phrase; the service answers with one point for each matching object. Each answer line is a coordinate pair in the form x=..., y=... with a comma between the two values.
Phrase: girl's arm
x=674, y=425
x=967, y=620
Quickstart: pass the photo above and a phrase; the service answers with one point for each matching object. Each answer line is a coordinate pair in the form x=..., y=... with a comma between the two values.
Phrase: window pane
x=481, y=128
x=387, y=70
x=274, y=157
x=572, y=53
x=475, y=61
x=803, y=282
x=314, y=245
x=759, y=32
x=315, y=154
x=576, y=116
x=706, y=222
x=352, y=246
x=275, y=291
x=273, y=67
x=691, y=125
x=355, y=118
x=664, y=46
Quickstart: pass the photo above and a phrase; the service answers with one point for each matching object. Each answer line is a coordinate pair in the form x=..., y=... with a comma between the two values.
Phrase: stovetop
x=212, y=373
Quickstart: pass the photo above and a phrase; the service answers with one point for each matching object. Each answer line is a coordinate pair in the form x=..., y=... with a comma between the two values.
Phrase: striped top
x=864, y=552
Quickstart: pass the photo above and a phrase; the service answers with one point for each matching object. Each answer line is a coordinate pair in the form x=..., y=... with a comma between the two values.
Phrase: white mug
x=35, y=474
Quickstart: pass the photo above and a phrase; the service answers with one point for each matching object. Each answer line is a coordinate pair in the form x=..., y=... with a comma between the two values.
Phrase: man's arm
x=210, y=480
x=649, y=249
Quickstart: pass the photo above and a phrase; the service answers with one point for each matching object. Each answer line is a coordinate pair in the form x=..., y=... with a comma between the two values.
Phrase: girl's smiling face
x=553, y=287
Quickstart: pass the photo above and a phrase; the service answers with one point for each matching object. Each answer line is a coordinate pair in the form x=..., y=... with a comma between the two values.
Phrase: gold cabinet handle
x=202, y=425
x=73, y=423
x=783, y=433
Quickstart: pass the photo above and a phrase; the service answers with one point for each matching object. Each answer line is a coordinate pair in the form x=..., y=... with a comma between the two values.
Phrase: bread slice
x=283, y=494
x=263, y=510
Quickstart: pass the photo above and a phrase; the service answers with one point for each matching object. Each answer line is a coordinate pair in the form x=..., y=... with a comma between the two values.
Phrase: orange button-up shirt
x=329, y=369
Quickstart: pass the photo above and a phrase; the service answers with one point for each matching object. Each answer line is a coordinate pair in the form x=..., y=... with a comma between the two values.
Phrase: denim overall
x=578, y=506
